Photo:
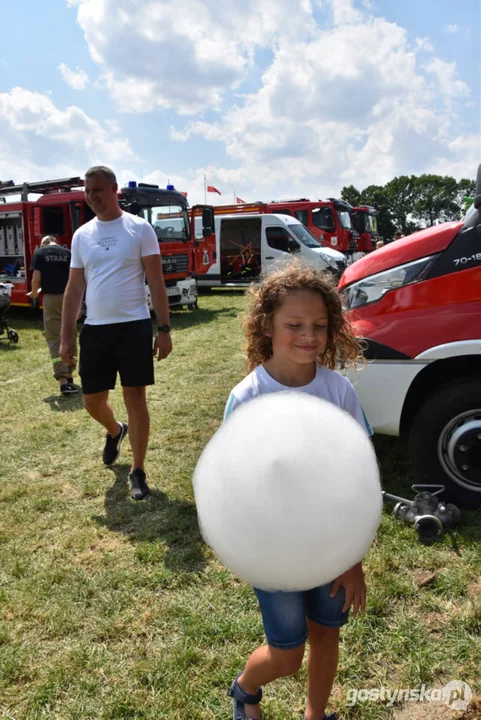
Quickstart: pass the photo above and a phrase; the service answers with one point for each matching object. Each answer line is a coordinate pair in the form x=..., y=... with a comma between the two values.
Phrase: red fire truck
x=364, y=220
x=328, y=220
x=61, y=209
x=417, y=304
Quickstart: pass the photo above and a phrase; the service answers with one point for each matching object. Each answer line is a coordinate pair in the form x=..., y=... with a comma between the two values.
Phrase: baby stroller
x=5, y=292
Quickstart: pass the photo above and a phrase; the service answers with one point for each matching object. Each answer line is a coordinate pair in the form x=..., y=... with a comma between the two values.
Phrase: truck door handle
x=269, y=257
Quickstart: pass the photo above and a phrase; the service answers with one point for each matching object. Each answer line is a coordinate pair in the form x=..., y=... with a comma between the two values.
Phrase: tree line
x=407, y=204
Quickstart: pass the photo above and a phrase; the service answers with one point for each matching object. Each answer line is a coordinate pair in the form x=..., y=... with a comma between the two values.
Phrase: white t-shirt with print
x=327, y=384
x=110, y=254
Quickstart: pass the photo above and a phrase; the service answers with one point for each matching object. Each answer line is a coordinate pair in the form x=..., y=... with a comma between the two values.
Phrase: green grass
x=113, y=610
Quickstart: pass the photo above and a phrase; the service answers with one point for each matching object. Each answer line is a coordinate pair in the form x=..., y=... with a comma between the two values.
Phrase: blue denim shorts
x=285, y=614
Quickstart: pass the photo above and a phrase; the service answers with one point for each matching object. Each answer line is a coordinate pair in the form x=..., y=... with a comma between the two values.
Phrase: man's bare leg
x=139, y=424
x=96, y=404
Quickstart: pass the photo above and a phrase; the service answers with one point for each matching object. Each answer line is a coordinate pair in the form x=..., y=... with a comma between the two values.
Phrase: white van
x=248, y=245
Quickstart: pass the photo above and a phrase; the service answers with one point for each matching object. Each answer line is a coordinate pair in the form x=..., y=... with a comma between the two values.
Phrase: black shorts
x=124, y=348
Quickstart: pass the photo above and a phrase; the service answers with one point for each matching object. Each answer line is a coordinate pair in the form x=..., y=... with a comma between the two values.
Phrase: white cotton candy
x=288, y=493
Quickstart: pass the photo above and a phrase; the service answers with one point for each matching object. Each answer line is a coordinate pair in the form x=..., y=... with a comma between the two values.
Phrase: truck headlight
x=330, y=262
x=372, y=288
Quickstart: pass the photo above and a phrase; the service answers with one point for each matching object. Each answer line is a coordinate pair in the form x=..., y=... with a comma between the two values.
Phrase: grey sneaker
x=138, y=486
x=112, y=445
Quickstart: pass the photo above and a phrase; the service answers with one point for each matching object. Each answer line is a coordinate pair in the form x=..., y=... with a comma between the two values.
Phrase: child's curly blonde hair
x=343, y=349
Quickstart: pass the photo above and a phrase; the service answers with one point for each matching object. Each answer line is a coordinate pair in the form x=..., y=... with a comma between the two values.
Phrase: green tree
x=401, y=194
x=435, y=199
x=376, y=196
x=410, y=203
x=351, y=194
x=466, y=188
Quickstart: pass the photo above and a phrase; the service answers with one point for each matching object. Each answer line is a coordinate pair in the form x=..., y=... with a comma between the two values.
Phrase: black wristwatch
x=163, y=328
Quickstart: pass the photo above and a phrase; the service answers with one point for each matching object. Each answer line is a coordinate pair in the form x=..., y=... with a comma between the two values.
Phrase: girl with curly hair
x=296, y=338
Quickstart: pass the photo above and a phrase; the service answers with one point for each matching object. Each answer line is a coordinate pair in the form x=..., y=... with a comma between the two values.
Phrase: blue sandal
x=241, y=698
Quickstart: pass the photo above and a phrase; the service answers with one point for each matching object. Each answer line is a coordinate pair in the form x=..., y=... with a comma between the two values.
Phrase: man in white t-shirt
x=111, y=256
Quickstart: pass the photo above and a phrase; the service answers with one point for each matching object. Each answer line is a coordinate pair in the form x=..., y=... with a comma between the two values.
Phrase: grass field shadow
x=6, y=345
x=393, y=457
x=58, y=403
x=174, y=522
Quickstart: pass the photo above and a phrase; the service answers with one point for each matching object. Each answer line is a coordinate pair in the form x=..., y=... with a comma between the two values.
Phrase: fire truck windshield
x=370, y=223
x=344, y=218
x=304, y=236
x=169, y=222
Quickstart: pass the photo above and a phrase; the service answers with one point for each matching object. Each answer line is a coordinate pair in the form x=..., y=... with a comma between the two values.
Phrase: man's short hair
x=48, y=240
x=103, y=170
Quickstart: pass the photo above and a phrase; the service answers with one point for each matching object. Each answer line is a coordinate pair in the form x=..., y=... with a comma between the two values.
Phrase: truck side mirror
x=207, y=222
x=134, y=208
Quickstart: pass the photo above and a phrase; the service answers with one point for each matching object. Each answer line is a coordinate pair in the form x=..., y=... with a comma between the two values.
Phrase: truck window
x=283, y=211
x=53, y=221
x=170, y=223
x=323, y=218
x=75, y=210
x=240, y=245
x=358, y=221
x=279, y=239
x=344, y=218
x=301, y=215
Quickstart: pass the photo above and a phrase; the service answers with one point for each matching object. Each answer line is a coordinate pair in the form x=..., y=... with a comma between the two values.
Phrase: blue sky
x=270, y=98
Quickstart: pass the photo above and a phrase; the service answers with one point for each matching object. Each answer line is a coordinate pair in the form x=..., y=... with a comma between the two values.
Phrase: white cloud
x=343, y=11
x=345, y=97
x=424, y=44
x=41, y=140
x=460, y=157
x=328, y=113
x=446, y=75
x=77, y=80
x=452, y=28
x=156, y=56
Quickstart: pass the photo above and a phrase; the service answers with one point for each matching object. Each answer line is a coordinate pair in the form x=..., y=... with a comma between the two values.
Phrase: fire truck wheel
x=445, y=441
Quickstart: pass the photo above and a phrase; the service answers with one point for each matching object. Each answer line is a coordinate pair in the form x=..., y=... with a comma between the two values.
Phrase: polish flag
x=240, y=201
x=184, y=193
x=211, y=188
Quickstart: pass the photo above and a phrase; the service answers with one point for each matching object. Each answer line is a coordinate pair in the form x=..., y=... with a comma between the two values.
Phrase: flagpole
x=234, y=198
x=205, y=191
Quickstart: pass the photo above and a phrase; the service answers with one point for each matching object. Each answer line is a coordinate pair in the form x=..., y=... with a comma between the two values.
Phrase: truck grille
x=175, y=264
